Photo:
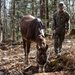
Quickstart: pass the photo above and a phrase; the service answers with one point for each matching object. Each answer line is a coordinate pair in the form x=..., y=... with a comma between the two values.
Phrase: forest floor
x=12, y=54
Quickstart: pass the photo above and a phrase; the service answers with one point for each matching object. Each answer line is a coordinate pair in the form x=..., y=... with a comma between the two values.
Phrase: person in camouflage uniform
x=60, y=27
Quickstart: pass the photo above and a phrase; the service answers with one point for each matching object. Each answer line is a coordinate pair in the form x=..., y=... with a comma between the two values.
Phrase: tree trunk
x=73, y=6
x=0, y=21
x=0, y=31
x=0, y=9
x=42, y=9
x=47, y=13
x=36, y=9
x=25, y=1
x=4, y=23
x=33, y=7
x=55, y=5
x=67, y=5
x=41, y=14
x=13, y=26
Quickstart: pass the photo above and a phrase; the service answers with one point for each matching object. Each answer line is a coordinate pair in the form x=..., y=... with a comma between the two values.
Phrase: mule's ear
x=46, y=47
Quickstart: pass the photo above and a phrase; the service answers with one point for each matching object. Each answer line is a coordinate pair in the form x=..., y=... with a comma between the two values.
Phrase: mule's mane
x=39, y=23
x=41, y=27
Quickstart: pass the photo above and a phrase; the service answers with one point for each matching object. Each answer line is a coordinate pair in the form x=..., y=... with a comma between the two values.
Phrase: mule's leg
x=28, y=49
x=24, y=46
x=25, y=50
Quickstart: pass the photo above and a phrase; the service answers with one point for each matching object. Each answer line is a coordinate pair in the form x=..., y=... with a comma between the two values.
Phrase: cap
x=61, y=4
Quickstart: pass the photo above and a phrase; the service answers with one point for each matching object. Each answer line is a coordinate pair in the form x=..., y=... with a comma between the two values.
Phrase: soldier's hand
x=66, y=31
x=54, y=31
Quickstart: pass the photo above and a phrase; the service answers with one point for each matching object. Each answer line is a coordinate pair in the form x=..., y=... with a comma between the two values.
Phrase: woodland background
x=11, y=46
x=12, y=11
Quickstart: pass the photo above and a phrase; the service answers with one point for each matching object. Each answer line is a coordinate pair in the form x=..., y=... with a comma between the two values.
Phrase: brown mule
x=32, y=30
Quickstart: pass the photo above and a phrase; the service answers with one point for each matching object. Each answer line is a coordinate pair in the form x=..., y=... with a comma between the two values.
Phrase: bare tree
x=0, y=31
x=42, y=9
x=33, y=7
x=13, y=21
x=4, y=20
x=47, y=13
x=0, y=20
x=0, y=8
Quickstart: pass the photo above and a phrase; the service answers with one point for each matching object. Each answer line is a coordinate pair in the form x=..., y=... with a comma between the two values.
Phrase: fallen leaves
x=12, y=57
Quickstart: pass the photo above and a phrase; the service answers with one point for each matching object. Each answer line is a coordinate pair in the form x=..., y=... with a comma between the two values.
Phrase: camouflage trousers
x=58, y=39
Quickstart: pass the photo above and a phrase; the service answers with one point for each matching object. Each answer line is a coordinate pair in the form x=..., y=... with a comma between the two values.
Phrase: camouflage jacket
x=60, y=21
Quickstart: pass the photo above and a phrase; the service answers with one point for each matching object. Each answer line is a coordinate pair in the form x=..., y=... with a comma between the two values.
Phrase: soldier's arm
x=67, y=26
x=54, y=23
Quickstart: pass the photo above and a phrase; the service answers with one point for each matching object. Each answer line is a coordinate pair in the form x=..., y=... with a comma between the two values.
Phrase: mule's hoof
x=40, y=69
x=26, y=62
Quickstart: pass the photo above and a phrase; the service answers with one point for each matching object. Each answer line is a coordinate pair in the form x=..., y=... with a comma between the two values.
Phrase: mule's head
x=41, y=45
x=41, y=40
x=42, y=48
